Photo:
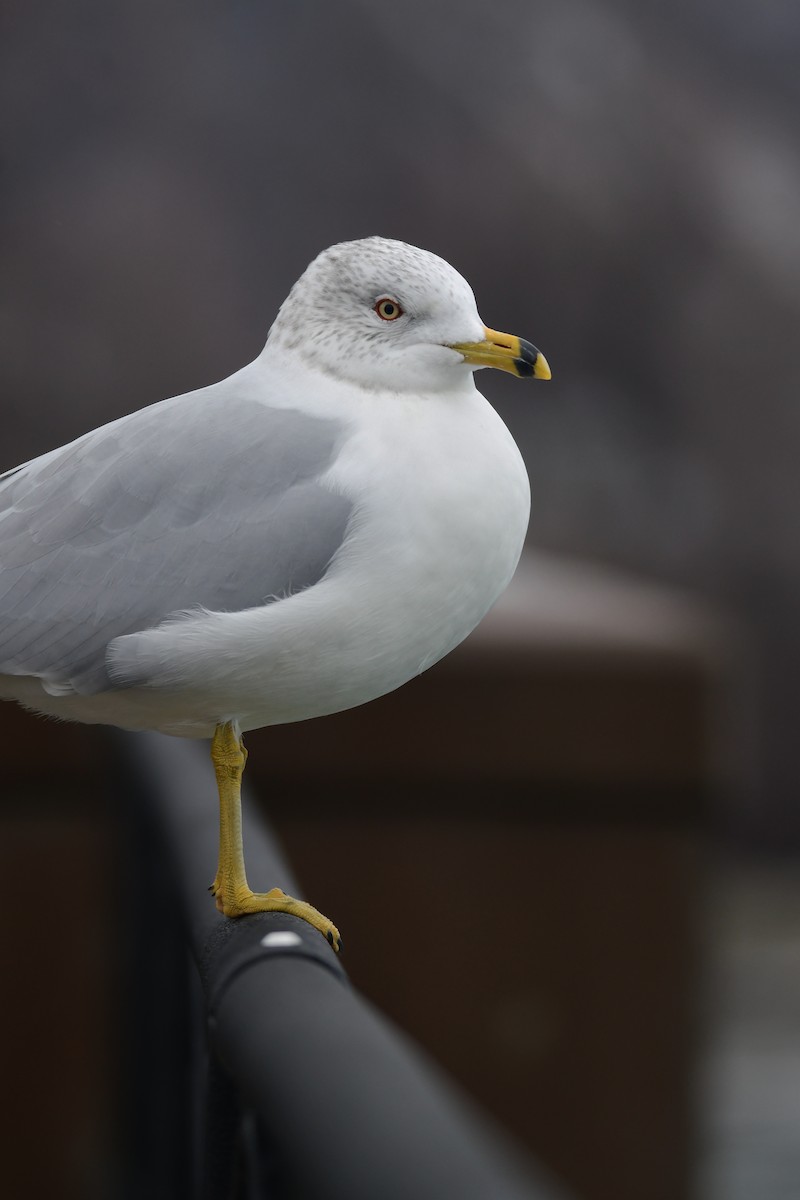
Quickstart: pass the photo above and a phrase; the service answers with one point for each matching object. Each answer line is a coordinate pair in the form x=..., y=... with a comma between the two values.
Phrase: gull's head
x=388, y=316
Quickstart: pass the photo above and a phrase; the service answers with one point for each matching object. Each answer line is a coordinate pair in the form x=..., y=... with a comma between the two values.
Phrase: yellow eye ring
x=388, y=309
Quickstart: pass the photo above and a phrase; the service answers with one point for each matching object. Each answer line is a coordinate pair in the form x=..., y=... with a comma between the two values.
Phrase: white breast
x=442, y=502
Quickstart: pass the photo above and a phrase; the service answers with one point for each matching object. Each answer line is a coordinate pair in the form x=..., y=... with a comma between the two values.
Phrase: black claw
x=329, y=936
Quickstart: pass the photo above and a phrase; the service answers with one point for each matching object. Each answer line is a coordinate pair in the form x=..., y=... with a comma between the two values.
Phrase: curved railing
x=273, y=1078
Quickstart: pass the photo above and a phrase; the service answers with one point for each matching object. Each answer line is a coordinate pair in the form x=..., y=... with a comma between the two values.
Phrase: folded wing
x=206, y=501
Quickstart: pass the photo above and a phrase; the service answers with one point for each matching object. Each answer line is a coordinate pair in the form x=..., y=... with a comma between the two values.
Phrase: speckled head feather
x=329, y=318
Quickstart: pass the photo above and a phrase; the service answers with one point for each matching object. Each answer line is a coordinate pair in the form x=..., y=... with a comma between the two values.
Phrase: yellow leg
x=230, y=887
x=229, y=756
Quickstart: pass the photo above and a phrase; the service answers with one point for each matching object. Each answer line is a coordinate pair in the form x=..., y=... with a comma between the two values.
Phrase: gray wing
x=208, y=500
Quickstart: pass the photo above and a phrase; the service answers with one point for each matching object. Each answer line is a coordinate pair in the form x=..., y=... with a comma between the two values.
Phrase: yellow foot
x=245, y=902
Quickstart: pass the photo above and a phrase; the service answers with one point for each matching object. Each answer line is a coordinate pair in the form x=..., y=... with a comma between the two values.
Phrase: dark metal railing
x=262, y=1074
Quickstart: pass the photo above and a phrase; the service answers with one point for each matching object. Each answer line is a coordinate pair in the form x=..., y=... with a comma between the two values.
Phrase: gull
x=298, y=539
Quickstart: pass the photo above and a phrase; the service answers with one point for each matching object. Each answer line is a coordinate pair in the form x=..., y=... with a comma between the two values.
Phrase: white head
x=389, y=316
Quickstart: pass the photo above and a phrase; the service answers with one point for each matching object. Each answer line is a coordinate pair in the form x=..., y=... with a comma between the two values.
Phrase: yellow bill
x=507, y=352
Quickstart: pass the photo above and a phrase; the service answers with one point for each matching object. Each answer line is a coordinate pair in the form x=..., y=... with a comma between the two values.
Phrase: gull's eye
x=388, y=309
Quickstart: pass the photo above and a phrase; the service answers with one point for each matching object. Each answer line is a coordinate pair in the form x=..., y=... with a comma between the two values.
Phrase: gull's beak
x=506, y=352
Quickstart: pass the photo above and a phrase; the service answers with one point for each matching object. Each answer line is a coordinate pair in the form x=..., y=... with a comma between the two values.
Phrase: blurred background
x=620, y=183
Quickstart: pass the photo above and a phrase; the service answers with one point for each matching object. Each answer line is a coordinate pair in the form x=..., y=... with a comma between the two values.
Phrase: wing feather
x=209, y=500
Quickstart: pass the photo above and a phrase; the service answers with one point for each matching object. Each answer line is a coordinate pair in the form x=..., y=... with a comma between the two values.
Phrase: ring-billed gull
x=298, y=539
